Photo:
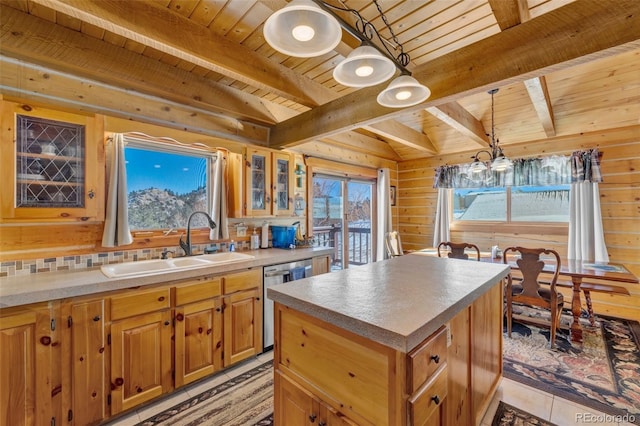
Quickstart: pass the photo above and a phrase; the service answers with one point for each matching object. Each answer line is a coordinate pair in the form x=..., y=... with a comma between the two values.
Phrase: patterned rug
x=602, y=373
x=246, y=400
x=508, y=415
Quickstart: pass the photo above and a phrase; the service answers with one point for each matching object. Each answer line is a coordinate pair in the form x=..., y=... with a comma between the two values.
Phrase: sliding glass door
x=342, y=217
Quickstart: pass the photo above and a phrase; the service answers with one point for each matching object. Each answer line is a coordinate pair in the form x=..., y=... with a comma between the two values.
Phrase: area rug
x=246, y=400
x=602, y=373
x=508, y=415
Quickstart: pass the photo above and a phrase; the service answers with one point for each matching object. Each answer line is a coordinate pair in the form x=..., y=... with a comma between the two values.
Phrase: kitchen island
x=410, y=340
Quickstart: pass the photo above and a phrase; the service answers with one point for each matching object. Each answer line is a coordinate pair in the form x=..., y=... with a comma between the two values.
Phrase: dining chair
x=529, y=291
x=393, y=244
x=456, y=250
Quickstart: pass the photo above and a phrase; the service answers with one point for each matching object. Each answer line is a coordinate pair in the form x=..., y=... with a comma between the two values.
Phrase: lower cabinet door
x=293, y=405
x=242, y=325
x=26, y=381
x=140, y=359
x=198, y=340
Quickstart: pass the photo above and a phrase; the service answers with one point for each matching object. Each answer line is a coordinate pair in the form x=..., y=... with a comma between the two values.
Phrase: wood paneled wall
x=620, y=203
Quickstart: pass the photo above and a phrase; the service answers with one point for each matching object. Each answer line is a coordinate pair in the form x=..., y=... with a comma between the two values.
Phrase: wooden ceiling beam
x=393, y=130
x=463, y=121
x=41, y=42
x=573, y=34
x=171, y=33
x=365, y=144
x=512, y=13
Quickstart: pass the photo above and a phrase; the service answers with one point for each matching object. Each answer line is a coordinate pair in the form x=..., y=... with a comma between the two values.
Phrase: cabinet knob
x=45, y=340
x=119, y=381
x=167, y=323
x=161, y=299
x=322, y=424
x=435, y=358
x=91, y=194
x=179, y=317
x=96, y=318
x=436, y=399
x=312, y=418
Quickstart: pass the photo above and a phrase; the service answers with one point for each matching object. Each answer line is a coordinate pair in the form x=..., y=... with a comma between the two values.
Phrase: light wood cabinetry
x=85, y=370
x=29, y=384
x=261, y=183
x=321, y=265
x=141, y=333
x=198, y=330
x=242, y=308
x=52, y=169
x=447, y=380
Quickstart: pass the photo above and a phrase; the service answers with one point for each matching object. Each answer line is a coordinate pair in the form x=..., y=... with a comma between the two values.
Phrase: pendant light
x=364, y=67
x=302, y=29
x=499, y=163
x=403, y=91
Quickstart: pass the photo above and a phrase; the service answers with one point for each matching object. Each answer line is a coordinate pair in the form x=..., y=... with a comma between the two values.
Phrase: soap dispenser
x=255, y=240
x=232, y=246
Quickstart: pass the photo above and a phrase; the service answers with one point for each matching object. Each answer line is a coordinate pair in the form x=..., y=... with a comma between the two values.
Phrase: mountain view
x=154, y=208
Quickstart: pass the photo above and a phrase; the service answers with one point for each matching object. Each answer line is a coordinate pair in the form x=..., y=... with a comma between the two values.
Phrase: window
x=548, y=204
x=165, y=185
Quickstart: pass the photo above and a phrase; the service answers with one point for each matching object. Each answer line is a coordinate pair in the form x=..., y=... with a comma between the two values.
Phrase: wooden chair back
x=457, y=250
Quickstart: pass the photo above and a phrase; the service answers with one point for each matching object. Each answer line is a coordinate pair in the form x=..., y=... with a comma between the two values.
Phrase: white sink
x=159, y=266
x=226, y=257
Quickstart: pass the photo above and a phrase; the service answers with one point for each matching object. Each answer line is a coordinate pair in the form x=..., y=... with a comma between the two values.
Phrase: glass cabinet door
x=258, y=182
x=49, y=163
x=283, y=178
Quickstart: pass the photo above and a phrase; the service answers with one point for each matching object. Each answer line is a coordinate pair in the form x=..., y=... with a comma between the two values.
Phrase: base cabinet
x=140, y=359
x=28, y=381
x=242, y=326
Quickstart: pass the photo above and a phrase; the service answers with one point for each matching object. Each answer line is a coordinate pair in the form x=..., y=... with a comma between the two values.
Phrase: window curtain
x=219, y=187
x=441, y=229
x=586, y=235
x=383, y=211
x=116, y=225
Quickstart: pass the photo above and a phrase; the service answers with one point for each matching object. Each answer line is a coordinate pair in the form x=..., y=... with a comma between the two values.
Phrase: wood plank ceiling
x=563, y=67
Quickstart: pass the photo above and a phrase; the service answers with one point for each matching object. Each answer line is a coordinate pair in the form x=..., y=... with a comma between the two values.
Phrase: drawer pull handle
x=312, y=418
x=435, y=358
x=96, y=318
x=436, y=399
x=161, y=299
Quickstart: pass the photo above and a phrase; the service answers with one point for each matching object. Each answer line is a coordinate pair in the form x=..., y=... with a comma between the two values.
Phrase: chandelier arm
x=403, y=58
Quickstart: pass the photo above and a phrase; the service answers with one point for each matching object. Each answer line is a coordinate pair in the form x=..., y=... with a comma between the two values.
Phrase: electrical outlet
x=241, y=231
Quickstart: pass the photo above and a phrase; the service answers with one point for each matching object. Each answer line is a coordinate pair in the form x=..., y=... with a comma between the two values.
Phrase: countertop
x=41, y=287
x=397, y=302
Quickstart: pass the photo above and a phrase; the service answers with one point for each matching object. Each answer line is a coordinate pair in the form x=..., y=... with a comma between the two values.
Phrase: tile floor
x=544, y=405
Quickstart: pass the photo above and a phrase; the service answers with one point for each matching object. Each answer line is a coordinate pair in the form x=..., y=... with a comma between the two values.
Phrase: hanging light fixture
x=298, y=29
x=499, y=162
x=302, y=29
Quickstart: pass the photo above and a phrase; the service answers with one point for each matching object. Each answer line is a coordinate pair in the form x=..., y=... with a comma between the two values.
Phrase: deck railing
x=360, y=244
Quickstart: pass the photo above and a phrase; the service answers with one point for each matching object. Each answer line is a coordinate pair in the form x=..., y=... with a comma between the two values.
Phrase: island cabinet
x=242, y=308
x=327, y=365
x=29, y=379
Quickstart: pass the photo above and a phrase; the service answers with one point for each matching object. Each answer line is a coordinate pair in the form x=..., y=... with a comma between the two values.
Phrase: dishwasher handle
x=276, y=273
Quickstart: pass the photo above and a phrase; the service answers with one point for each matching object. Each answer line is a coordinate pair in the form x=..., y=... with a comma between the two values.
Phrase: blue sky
x=149, y=169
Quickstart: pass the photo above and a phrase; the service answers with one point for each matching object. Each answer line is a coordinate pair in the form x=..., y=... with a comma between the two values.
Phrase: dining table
x=576, y=270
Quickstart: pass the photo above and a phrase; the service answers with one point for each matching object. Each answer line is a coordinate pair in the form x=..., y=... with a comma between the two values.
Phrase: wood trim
x=513, y=228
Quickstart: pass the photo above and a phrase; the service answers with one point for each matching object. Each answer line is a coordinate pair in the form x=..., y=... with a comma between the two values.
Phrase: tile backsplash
x=95, y=260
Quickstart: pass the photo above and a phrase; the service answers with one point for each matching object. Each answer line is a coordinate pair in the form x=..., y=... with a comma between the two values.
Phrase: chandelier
x=310, y=28
x=499, y=162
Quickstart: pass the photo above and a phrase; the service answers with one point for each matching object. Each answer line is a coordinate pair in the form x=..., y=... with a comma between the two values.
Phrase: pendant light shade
x=402, y=92
x=302, y=29
x=364, y=67
x=501, y=164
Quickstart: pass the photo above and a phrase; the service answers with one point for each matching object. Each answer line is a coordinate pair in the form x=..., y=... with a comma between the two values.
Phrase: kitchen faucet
x=186, y=246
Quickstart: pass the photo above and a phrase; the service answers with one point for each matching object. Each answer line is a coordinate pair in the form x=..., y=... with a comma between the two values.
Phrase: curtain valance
x=544, y=171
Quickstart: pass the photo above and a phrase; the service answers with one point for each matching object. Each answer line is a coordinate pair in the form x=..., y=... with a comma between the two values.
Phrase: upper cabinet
x=261, y=183
x=53, y=164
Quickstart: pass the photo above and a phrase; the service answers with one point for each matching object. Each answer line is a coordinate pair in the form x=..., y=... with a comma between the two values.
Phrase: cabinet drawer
x=426, y=358
x=429, y=398
x=242, y=280
x=195, y=291
x=139, y=303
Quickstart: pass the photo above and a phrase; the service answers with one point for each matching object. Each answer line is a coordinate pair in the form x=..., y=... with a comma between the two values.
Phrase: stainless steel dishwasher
x=278, y=274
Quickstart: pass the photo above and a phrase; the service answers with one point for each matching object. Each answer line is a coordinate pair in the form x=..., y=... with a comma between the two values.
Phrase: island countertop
x=397, y=302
